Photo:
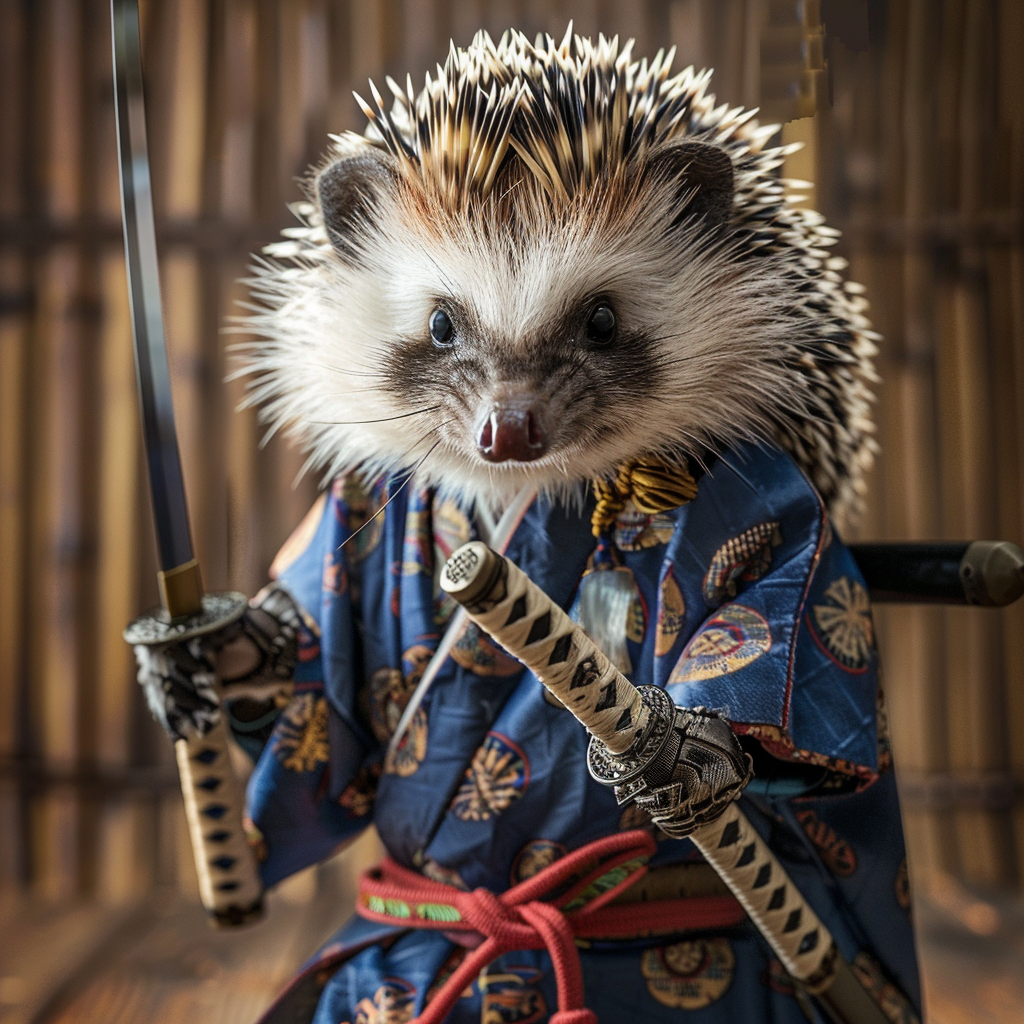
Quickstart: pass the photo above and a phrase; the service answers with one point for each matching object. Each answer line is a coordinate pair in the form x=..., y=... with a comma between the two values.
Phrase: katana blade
x=229, y=881
x=167, y=487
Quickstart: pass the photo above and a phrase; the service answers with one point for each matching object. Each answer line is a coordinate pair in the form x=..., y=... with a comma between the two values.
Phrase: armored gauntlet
x=684, y=770
x=254, y=657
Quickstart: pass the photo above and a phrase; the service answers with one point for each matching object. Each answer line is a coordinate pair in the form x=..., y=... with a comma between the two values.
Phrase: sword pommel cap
x=471, y=573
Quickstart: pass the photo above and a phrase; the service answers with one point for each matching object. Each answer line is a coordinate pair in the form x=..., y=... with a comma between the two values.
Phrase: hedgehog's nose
x=513, y=431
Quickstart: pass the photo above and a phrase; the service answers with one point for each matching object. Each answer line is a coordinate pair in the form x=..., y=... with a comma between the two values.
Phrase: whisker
x=347, y=394
x=444, y=277
x=427, y=433
x=349, y=373
x=384, y=419
x=401, y=487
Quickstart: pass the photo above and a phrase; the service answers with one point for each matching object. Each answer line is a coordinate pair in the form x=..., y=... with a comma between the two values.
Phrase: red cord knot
x=493, y=918
x=588, y=879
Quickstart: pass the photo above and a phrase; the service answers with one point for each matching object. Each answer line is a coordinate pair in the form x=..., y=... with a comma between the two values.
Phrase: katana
x=643, y=745
x=229, y=882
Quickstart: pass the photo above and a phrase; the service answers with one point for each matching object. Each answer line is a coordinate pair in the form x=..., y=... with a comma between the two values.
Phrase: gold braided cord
x=653, y=486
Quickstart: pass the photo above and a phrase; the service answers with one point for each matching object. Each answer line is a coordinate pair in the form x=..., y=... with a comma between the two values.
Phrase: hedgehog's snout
x=514, y=430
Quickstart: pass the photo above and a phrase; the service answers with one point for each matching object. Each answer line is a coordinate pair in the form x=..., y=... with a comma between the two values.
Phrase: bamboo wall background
x=915, y=140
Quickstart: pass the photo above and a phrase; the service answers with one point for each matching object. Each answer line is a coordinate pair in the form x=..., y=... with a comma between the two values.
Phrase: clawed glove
x=684, y=770
x=253, y=656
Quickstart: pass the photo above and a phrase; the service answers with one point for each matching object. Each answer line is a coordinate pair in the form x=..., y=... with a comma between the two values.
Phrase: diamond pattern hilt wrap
x=634, y=733
x=229, y=883
x=503, y=600
x=743, y=861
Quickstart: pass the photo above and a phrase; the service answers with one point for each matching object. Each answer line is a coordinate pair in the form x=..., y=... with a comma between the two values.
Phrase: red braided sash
x=520, y=919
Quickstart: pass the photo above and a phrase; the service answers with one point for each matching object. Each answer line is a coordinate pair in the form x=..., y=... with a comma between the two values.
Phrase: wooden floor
x=972, y=953
x=161, y=964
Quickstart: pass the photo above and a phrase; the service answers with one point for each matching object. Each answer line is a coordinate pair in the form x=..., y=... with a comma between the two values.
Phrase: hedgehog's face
x=519, y=341
x=552, y=259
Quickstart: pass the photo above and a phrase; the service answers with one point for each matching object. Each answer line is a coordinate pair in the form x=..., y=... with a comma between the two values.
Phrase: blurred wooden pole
x=55, y=408
x=915, y=662
x=15, y=304
x=978, y=739
x=237, y=203
x=1008, y=293
x=123, y=869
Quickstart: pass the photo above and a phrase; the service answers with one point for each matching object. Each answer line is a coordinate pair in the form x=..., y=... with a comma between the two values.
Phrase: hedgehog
x=558, y=281
x=550, y=260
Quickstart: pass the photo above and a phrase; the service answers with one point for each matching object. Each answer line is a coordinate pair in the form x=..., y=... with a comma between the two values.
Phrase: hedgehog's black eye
x=601, y=325
x=441, y=329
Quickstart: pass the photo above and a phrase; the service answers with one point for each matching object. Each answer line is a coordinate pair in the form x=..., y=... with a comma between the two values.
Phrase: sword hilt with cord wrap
x=659, y=754
x=229, y=882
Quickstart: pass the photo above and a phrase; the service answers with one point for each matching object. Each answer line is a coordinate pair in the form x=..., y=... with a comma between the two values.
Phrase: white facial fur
x=714, y=331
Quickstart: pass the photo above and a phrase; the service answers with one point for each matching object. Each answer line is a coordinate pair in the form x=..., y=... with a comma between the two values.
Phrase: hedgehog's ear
x=351, y=192
x=703, y=176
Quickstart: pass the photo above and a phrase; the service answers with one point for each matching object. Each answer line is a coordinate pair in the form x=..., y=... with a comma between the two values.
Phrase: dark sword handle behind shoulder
x=987, y=573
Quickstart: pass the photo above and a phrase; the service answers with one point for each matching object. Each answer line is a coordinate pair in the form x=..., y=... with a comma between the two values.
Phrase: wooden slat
x=238, y=201
x=56, y=407
x=978, y=740
x=15, y=300
x=918, y=669
x=181, y=80
x=1010, y=353
x=118, y=487
x=316, y=80
x=341, y=107
x=270, y=199
x=688, y=26
x=300, y=98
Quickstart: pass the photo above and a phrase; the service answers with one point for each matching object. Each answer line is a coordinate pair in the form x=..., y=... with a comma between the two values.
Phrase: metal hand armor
x=684, y=770
x=253, y=656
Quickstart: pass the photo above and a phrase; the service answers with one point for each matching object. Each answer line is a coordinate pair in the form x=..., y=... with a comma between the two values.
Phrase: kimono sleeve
x=313, y=786
x=785, y=646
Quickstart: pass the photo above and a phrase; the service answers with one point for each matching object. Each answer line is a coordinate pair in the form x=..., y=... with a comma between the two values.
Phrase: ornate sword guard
x=156, y=626
x=684, y=770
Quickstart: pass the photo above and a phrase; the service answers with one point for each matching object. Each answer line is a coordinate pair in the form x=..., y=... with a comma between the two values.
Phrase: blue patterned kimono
x=744, y=600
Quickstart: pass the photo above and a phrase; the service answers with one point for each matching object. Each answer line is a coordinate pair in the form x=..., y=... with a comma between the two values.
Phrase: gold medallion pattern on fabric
x=637, y=531
x=845, y=623
x=742, y=559
x=689, y=975
x=254, y=837
x=359, y=795
x=893, y=1003
x=497, y=776
x=362, y=508
x=671, y=614
x=393, y=1003
x=474, y=650
x=729, y=641
x=404, y=759
x=511, y=995
x=836, y=853
x=534, y=857
x=300, y=736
